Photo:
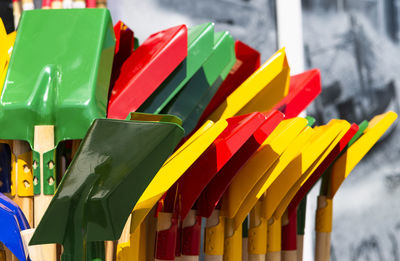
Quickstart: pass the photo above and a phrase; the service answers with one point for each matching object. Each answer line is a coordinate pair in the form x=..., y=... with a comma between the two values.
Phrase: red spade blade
x=145, y=69
x=304, y=88
x=211, y=195
x=194, y=180
x=247, y=62
x=124, y=44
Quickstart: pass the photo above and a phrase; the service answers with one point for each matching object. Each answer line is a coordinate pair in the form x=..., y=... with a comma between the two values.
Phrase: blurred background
x=356, y=46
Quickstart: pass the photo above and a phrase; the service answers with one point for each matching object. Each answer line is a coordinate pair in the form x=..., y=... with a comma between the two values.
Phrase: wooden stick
x=274, y=240
x=27, y=5
x=101, y=3
x=79, y=4
x=323, y=229
x=233, y=241
x=300, y=244
x=111, y=249
x=189, y=221
x=56, y=4
x=257, y=247
x=35, y=252
x=214, y=237
x=17, y=10
x=43, y=142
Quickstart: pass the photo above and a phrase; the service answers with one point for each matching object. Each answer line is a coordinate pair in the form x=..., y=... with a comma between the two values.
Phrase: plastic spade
x=286, y=130
x=114, y=165
x=124, y=45
x=284, y=188
x=58, y=94
x=260, y=92
x=191, y=101
x=200, y=45
x=145, y=69
x=338, y=172
x=247, y=62
x=12, y=221
x=303, y=87
x=289, y=230
x=300, y=155
x=6, y=47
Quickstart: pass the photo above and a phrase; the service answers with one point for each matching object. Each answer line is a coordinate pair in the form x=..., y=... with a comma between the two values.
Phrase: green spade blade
x=192, y=100
x=200, y=45
x=113, y=166
x=58, y=74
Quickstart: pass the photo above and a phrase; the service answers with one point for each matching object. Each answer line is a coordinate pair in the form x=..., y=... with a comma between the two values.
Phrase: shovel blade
x=63, y=84
x=113, y=166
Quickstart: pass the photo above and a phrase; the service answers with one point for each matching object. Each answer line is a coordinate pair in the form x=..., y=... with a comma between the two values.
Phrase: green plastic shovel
x=112, y=168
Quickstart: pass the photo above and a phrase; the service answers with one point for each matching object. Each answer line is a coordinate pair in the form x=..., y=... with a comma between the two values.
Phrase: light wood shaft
x=43, y=142
x=323, y=246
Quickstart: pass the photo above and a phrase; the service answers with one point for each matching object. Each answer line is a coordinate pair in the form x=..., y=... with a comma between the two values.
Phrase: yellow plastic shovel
x=281, y=192
x=339, y=171
x=260, y=92
x=242, y=184
x=302, y=153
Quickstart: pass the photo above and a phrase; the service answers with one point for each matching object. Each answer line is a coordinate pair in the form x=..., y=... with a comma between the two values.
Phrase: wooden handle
x=43, y=142
x=245, y=253
x=17, y=9
x=27, y=5
x=257, y=244
x=189, y=221
x=35, y=252
x=289, y=255
x=273, y=256
x=323, y=246
x=214, y=237
x=56, y=4
x=233, y=242
x=300, y=244
x=111, y=249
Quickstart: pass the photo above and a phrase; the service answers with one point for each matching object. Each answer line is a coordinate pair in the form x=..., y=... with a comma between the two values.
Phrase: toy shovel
x=284, y=188
x=300, y=155
x=338, y=172
x=172, y=169
x=63, y=88
x=115, y=163
x=303, y=87
x=260, y=92
x=124, y=45
x=12, y=222
x=200, y=45
x=145, y=69
x=191, y=101
x=214, y=234
x=291, y=229
x=247, y=62
x=6, y=47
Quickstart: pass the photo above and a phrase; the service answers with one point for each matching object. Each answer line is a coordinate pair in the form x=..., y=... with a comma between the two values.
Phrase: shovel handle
x=43, y=142
x=300, y=243
x=289, y=255
x=233, y=242
x=274, y=240
x=323, y=228
x=214, y=237
x=257, y=244
x=17, y=9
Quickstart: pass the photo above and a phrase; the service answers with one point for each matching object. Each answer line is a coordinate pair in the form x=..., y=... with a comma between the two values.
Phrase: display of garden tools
x=123, y=151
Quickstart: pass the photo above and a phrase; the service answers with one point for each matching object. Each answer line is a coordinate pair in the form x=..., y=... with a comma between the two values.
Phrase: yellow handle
x=323, y=227
x=257, y=244
x=214, y=235
x=274, y=240
x=233, y=242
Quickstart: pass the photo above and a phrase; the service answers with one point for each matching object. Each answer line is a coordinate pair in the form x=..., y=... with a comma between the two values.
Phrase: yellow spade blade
x=175, y=166
x=260, y=92
x=280, y=164
x=277, y=186
x=255, y=167
x=353, y=155
x=6, y=46
x=342, y=127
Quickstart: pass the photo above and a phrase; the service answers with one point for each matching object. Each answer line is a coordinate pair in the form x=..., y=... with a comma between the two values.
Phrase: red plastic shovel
x=145, y=69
